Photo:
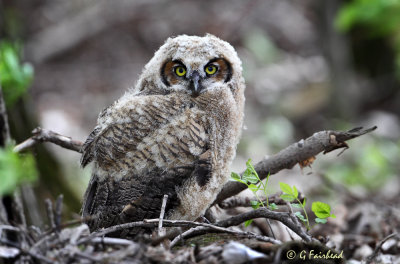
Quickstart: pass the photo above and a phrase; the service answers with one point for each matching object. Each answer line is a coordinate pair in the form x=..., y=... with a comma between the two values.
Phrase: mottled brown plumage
x=175, y=133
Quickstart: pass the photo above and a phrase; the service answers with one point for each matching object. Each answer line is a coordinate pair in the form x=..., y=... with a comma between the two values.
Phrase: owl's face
x=193, y=65
x=196, y=77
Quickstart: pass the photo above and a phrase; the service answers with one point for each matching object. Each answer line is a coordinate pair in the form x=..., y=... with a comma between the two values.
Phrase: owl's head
x=192, y=65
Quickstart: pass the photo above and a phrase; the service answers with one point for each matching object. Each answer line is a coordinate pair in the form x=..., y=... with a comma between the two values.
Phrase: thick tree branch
x=324, y=141
x=303, y=150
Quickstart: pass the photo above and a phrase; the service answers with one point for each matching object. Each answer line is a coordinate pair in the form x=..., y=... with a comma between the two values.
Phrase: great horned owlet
x=175, y=133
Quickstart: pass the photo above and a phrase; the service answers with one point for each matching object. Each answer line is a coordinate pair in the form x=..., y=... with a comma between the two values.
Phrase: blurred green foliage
x=371, y=166
x=262, y=51
x=15, y=169
x=258, y=43
x=278, y=132
x=15, y=77
x=381, y=18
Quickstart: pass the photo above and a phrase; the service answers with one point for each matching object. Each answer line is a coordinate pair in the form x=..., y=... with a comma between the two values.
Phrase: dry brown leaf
x=307, y=162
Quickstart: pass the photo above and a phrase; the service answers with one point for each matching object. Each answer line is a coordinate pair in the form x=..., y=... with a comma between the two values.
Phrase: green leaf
x=252, y=202
x=287, y=197
x=255, y=204
x=254, y=188
x=273, y=206
x=11, y=60
x=321, y=210
x=248, y=222
x=286, y=188
x=320, y=220
x=235, y=176
x=15, y=169
x=333, y=216
x=304, y=202
x=250, y=166
x=296, y=205
x=250, y=174
x=295, y=192
x=300, y=216
x=251, y=178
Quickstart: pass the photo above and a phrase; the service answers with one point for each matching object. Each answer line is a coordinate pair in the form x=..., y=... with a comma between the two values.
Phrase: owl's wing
x=123, y=125
x=151, y=145
x=87, y=151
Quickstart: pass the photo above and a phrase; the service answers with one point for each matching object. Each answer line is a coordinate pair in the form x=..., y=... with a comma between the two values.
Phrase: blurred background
x=309, y=65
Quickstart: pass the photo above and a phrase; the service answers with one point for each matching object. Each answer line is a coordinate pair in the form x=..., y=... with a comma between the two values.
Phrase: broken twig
x=44, y=135
x=160, y=221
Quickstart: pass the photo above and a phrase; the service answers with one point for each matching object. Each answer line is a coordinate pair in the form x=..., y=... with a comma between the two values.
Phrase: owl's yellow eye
x=211, y=69
x=180, y=71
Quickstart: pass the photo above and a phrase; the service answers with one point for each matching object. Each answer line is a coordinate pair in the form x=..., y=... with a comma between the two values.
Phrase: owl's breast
x=224, y=118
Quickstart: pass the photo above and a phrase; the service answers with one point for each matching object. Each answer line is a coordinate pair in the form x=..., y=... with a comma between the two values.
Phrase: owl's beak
x=195, y=83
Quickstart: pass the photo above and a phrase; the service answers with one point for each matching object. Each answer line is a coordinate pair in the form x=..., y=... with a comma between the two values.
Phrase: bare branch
x=44, y=135
x=238, y=201
x=43, y=259
x=324, y=141
x=151, y=223
x=201, y=230
x=288, y=219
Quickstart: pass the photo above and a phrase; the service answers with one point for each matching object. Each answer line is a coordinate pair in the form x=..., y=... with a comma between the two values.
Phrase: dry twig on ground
x=378, y=247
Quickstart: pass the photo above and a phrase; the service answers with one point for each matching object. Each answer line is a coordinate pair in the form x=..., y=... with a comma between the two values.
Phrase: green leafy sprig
x=290, y=194
x=253, y=182
x=321, y=210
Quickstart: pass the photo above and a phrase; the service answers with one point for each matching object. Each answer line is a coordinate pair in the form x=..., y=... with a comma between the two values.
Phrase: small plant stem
x=305, y=213
x=263, y=205
x=258, y=198
x=264, y=186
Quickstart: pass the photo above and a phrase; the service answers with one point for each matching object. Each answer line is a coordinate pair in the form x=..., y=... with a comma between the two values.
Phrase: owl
x=175, y=133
